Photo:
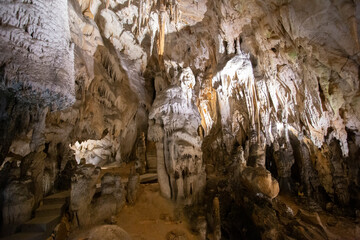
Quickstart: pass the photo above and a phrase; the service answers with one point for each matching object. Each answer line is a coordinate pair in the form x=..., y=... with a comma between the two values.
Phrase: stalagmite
x=216, y=216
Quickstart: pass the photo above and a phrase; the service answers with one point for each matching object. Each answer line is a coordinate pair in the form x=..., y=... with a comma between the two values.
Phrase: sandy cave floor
x=152, y=217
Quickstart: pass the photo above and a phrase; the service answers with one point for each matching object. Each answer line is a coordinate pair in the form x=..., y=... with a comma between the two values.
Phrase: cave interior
x=179, y=119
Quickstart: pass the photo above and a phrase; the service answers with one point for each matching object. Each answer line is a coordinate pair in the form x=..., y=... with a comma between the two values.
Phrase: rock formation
x=37, y=59
x=86, y=206
x=141, y=154
x=252, y=103
x=174, y=124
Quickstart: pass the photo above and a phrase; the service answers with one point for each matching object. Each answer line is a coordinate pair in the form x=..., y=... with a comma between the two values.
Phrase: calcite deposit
x=174, y=124
x=246, y=110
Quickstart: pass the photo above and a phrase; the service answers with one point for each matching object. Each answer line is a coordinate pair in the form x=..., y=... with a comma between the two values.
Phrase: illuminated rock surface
x=247, y=109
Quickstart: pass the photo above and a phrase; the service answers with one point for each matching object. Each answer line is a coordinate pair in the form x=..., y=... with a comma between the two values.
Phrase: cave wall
x=306, y=81
x=37, y=54
x=37, y=76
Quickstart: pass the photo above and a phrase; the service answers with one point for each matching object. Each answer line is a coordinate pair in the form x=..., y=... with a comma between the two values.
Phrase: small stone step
x=57, y=198
x=26, y=236
x=148, y=177
x=41, y=224
x=50, y=210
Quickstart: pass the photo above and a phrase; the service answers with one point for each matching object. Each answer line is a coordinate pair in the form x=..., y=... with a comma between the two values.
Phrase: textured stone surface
x=88, y=208
x=174, y=123
x=18, y=203
x=265, y=94
x=260, y=180
x=37, y=58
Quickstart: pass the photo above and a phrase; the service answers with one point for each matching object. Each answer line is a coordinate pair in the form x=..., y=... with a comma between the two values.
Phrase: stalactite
x=88, y=12
x=177, y=13
x=162, y=25
x=171, y=12
x=139, y=20
x=256, y=112
x=145, y=17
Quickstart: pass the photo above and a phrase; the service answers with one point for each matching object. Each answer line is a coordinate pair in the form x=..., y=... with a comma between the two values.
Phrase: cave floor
x=153, y=217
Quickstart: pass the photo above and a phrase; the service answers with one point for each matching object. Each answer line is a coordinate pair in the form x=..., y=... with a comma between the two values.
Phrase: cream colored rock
x=174, y=122
x=21, y=146
x=96, y=152
x=89, y=209
x=232, y=84
x=260, y=180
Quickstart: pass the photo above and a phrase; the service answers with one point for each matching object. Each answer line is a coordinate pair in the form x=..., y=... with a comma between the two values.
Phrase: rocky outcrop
x=260, y=180
x=88, y=208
